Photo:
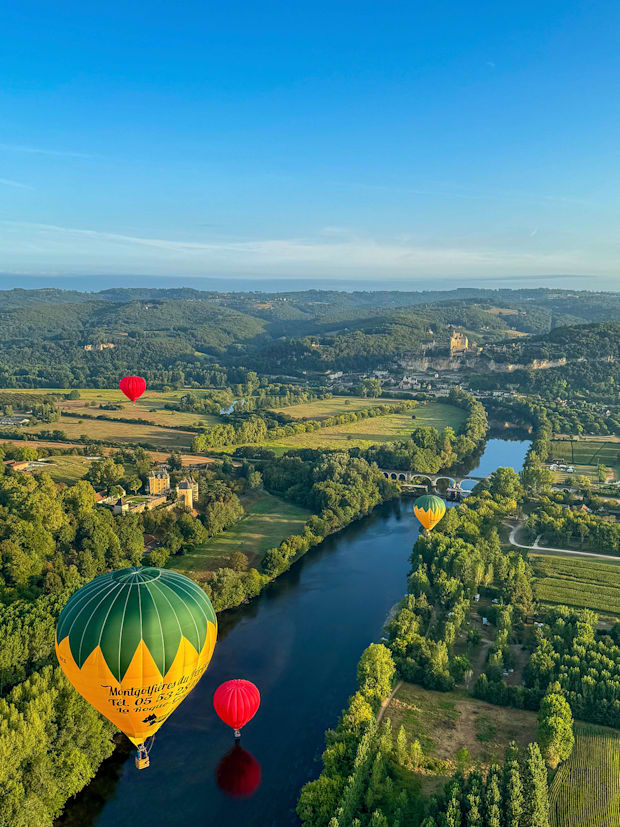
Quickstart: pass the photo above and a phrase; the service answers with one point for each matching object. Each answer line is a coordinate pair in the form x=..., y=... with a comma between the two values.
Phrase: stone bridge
x=454, y=482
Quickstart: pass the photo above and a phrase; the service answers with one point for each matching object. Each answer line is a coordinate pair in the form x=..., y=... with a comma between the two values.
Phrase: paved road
x=567, y=551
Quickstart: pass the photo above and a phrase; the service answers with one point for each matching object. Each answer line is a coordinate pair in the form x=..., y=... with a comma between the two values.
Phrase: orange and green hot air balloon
x=429, y=509
x=134, y=642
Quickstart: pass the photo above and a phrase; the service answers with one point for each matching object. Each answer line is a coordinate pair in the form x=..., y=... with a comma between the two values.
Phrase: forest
x=52, y=338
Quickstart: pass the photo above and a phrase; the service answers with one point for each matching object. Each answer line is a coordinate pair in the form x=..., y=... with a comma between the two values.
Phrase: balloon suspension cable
x=148, y=748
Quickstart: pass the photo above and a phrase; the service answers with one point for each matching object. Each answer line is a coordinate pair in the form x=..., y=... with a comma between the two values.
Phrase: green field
x=586, y=455
x=369, y=431
x=445, y=722
x=151, y=412
x=586, y=788
x=322, y=408
x=582, y=583
x=268, y=520
x=67, y=469
x=150, y=406
x=123, y=432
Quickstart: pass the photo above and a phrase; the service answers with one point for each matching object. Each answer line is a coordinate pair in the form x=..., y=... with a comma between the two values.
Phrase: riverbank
x=299, y=641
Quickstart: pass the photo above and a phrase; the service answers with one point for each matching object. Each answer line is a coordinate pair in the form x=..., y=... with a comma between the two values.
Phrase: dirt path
x=387, y=702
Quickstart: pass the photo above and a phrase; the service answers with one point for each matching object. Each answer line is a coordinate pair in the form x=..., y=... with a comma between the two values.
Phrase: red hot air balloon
x=238, y=774
x=236, y=702
x=133, y=387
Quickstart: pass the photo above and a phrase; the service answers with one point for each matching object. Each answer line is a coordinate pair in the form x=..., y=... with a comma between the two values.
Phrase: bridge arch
x=468, y=484
x=444, y=482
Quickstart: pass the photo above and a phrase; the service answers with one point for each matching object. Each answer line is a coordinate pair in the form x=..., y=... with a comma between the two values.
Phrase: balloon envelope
x=236, y=702
x=238, y=774
x=132, y=386
x=429, y=510
x=134, y=642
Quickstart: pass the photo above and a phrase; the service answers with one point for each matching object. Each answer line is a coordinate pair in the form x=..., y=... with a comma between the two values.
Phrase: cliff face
x=475, y=362
x=535, y=364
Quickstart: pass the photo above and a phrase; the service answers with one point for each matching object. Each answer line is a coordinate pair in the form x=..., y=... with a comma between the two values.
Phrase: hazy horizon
x=94, y=283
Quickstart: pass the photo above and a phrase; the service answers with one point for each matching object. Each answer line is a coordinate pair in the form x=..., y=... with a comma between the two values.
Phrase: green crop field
x=150, y=406
x=322, y=408
x=268, y=520
x=582, y=583
x=158, y=437
x=151, y=412
x=369, y=431
x=586, y=788
x=67, y=469
x=587, y=454
x=445, y=722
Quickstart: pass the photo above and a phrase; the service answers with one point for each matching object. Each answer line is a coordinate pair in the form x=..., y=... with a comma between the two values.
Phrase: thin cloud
x=19, y=184
x=36, y=150
x=314, y=255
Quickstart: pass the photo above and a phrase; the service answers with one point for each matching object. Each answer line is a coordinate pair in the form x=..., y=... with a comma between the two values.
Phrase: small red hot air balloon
x=238, y=774
x=133, y=387
x=236, y=702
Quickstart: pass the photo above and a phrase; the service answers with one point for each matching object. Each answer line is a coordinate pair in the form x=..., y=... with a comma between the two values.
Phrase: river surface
x=300, y=642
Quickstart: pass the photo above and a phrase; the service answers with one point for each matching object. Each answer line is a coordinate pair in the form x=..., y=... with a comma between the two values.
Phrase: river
x=300, y=642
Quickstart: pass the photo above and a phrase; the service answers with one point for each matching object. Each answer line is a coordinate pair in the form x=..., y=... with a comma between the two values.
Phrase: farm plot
x=267, y=521
x=370, y=431
x=585, y=455
x=122, y=432
x=67, y=468
x=583, y=583
x=322, y=408
x=586, y=788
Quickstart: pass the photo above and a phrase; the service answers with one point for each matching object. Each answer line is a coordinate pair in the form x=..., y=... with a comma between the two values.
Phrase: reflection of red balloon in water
x=238, y=774
x=133, y=387
x=236, y=702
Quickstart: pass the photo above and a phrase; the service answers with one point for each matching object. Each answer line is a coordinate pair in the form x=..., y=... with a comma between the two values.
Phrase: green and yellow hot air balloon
x=134, y=642
x=429, y=509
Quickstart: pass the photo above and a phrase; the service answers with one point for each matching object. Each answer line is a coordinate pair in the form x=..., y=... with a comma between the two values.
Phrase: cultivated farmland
x=268, y=520
x=587, y=454
x=322, y=408
x=586, y=788
x=370, y=431
x=582, y=583
x=121, y=432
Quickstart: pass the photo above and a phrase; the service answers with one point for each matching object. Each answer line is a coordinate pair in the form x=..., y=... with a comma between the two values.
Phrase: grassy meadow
x=370, y=431
x=67, y=469
x=159, y=438
x=322, y=408
x=586, y=787
x=582, y=583
x=445, y=722
x=268, y=520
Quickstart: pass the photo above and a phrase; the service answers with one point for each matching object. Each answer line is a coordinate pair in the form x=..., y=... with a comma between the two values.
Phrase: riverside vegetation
x=371, y=776
x=55, y=539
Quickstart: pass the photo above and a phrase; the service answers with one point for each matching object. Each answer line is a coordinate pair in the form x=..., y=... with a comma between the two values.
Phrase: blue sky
x=344, y=139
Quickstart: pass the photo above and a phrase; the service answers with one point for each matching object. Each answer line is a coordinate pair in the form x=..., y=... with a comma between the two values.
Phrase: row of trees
x=257, y=429
x=257, y=394
x=513, y=796
x=583, y=665
x=559, y=525
x=575, y=417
